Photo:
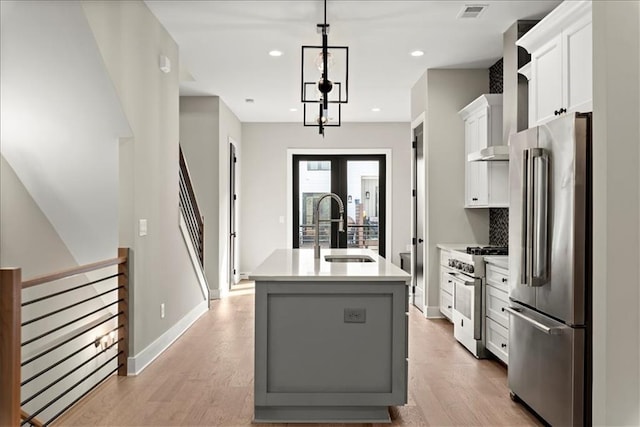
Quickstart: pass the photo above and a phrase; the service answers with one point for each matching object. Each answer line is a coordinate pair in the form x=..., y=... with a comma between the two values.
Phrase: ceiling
x=224, y=48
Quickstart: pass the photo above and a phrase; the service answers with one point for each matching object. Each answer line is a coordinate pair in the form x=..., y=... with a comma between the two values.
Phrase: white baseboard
x=433, y=312
x=136, y=364
x=244, y=276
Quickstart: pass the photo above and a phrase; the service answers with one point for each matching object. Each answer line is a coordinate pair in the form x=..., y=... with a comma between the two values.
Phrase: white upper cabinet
x=485, y=181
x=560, y=74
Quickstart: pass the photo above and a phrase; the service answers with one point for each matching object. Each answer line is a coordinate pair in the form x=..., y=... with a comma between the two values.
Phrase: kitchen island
x=330, y=337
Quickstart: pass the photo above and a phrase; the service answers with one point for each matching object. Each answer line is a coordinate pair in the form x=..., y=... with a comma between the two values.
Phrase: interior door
x=419, y=196
x=232, y=214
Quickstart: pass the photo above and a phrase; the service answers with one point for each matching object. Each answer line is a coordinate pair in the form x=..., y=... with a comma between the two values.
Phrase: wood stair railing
x=11, y=286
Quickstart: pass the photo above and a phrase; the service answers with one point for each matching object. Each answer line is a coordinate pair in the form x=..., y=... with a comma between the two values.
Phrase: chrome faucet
x=316, y=221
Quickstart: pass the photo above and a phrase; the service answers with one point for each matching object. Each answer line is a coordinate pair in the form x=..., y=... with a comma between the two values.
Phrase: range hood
x=491, y=153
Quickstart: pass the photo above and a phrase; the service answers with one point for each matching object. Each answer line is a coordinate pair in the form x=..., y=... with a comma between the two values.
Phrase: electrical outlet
x=162, y=311
x=355, y=315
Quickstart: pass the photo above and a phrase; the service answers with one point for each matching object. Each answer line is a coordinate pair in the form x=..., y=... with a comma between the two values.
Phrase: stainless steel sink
x=348, y=258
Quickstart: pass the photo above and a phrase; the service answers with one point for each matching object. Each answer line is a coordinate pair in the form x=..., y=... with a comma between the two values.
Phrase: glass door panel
x=314, y=180
x=363, y=204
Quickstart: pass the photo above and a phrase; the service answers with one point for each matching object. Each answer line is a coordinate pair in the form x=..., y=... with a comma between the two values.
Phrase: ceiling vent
x=472, y=10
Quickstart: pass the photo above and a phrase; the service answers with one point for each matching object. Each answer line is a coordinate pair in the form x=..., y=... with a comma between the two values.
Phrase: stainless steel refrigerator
x=550, y=269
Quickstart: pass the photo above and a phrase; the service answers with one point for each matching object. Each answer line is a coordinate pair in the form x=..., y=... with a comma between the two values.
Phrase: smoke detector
x=472, y=10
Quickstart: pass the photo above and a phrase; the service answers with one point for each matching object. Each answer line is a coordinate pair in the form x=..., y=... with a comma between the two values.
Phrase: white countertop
x=457, y=246
x=299, y=265
x=498, y=260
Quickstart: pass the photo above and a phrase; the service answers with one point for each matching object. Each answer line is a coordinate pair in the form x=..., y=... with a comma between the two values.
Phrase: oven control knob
x=451, y=262
x=470, y=268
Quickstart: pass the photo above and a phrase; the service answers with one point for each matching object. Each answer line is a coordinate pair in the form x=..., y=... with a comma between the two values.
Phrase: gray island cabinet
x=330, y=337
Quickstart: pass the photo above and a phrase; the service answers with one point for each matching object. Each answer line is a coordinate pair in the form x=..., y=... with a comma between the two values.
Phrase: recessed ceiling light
x=275, y=53
x=375, y=109
x=293, y=109
x=417, y=53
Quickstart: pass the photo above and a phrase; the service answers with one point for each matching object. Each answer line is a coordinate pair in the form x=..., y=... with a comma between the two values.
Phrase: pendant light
x=324, y=80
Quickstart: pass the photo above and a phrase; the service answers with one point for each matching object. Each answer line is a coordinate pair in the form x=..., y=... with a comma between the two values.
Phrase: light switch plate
x=142, y=227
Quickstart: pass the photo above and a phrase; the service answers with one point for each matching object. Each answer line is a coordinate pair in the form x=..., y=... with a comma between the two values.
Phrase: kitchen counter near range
x=300, y=265
x=457, y=246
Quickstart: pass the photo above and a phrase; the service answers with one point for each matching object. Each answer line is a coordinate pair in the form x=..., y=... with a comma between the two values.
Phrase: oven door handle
x=462, y=279
x=549, y=330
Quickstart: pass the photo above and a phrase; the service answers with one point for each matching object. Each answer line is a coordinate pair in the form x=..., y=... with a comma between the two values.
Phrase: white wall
x=264, y=179
x=199, y=123
x=130, y=40
x=206, y=128
x=446, y=92
x=61, y=120
x=616, y=199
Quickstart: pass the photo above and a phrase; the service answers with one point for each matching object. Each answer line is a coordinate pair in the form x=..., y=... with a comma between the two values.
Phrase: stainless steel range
x=468, y=296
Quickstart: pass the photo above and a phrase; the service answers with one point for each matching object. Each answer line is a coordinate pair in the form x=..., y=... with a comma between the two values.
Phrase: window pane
x=363, y=205
x=315, y=180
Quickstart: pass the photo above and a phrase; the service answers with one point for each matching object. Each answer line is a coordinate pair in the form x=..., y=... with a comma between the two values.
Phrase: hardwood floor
x=206, y=379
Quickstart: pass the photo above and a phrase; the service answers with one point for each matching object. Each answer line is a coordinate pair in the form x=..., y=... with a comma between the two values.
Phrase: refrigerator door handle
x=539, y=163
x=549, y=330
x=524, y=226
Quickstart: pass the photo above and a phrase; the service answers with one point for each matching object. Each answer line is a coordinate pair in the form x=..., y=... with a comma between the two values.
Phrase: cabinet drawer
x=446, y=282
x=497, y=300
x=446, y=304
x=498, y=340
x=498, y=277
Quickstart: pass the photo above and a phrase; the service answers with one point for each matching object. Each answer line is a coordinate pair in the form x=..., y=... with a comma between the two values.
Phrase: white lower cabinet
x=497, y=319
x=446, y=286
x=497, y=340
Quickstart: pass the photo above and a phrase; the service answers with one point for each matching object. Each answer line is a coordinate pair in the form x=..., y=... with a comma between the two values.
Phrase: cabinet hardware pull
x=503, y=345
x=504, y=280
x=502, y=309
x=420, y=240
x=556, y=112
x=461, y=322
x=448, y=306
x=475, y=199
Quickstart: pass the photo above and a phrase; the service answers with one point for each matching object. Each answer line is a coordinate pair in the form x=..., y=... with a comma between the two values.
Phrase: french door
x=359, y=180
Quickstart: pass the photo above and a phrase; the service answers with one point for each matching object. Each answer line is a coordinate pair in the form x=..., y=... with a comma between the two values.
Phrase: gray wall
x=206, y=126
x=446, y=92
x=264, y=179
x=616, y=227
x=130, y=40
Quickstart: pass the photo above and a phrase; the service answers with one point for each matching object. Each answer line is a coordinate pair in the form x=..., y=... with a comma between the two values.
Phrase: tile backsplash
x=499, y=226
x=496, y=77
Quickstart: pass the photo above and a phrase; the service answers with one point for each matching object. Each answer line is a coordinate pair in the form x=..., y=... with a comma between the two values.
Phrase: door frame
x=387, y=152
x=421, y=120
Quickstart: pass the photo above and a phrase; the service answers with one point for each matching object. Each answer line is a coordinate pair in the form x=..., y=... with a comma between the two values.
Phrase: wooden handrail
x=10, y=320
x=72, y=272
x=34, y=421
